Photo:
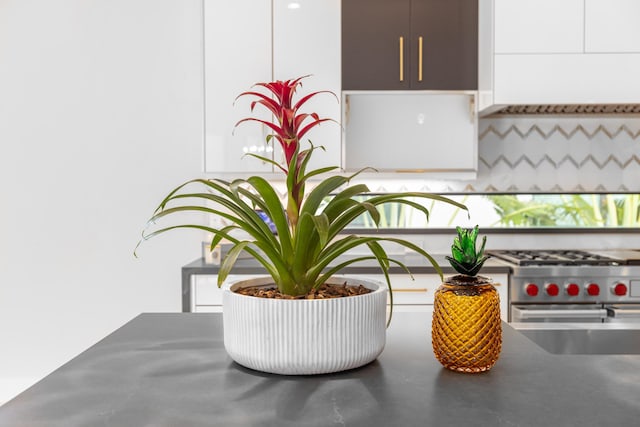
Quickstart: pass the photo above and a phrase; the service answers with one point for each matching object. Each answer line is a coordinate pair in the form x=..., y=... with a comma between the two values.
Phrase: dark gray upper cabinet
x=409, y=44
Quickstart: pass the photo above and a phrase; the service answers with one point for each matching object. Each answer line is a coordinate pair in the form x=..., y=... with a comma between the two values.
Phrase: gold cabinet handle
x=417, y=290
x=472, y=118
x=420, y=58
x=401, y=59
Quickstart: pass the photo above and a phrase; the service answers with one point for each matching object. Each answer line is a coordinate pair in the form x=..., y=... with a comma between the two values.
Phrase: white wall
x=101, y=111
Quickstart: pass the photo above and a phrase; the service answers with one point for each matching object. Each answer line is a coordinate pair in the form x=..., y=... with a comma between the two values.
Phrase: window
x=516, y=211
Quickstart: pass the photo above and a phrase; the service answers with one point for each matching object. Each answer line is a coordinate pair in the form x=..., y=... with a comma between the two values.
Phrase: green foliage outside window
x=572, y=210
x=519, y=211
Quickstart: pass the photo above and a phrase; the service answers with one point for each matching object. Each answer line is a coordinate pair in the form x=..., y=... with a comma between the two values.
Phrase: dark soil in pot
x=323, y=292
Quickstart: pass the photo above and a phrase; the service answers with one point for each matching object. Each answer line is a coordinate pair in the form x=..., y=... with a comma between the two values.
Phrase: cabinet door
x=539, y=26
x=444, y=44
x=375, y=44
x=237, y=54
x=206, y=296
x=409, y=293
x=567, y=78
x=612, y=26
x=306, y=40
x=411, y=132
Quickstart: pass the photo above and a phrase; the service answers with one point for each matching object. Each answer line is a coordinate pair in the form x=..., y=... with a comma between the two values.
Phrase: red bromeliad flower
x=289, y=127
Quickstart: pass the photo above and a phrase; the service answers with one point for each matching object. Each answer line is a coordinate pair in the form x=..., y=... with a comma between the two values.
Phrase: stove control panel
x=574, y=290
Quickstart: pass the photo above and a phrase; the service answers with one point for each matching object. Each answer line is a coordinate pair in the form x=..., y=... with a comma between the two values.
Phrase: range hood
x=581, y=109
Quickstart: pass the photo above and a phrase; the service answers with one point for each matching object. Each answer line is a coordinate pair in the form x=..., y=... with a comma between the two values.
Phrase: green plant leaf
x=217, y=237
x=273, y=208
x=229, y=260
x=320, y=192
x=266, y=160
x=373, y=212
x=322, y=227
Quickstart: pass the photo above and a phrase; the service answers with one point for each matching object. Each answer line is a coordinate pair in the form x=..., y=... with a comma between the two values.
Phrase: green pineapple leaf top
x=465, y=259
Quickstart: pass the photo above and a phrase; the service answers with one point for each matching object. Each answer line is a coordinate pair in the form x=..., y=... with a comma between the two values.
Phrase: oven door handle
x=551, y=313
x=625, y=312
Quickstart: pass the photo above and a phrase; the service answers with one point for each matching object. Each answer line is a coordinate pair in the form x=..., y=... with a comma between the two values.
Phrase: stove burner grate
x=554, y=257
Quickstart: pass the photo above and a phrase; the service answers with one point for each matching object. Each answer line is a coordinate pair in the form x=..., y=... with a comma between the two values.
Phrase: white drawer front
x=207, y=297
x=205, y=288
x=407, y=291
x=208, y=309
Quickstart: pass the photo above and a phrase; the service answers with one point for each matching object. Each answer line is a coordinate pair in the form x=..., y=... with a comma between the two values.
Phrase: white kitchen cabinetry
x=418, y=294
x=237, y=54
x=547, y=52
x=206, y=296
x=566, y=79
x=306, y=40
x=526, y=26
x=612, y=26
x=567, y=26
x=408, y=294
x=411, y=131
x=251, y=41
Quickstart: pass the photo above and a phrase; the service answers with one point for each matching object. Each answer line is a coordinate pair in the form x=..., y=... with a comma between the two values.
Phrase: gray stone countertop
x=172, y=370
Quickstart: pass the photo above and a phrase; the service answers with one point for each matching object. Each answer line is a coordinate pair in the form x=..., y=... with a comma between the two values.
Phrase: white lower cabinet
x=408, y=294
x=206, y=296
x=418, y=293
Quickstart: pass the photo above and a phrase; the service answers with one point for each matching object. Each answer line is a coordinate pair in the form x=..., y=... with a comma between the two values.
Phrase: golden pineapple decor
x=466, y=330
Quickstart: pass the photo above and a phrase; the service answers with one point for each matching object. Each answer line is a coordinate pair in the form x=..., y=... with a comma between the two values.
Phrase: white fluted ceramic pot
x=304, y=337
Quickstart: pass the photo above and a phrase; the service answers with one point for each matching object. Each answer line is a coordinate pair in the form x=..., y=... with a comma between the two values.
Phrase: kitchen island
x=172, y=370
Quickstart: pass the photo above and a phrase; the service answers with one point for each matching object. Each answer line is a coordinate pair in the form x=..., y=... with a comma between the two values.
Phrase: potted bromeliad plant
x=466, y=329
x=300, y=318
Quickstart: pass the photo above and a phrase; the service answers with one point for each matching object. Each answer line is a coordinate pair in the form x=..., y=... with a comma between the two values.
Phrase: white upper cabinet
x=251, y=41
x=237, y=43
x=558, y=52
x=567, y=26
x=612, y=26
x=540, y=26
x=306, y=41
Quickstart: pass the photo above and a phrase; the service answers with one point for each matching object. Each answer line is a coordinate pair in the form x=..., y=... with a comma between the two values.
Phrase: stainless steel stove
x=573, y=285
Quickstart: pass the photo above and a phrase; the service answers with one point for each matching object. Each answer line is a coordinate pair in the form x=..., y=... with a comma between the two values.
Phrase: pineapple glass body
x=466, y=330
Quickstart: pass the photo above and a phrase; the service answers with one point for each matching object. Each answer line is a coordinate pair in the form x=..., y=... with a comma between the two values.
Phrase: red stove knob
x=572, y=289
x=593, y=289
x=531, y=289
x=552, y=289
x=620, y=289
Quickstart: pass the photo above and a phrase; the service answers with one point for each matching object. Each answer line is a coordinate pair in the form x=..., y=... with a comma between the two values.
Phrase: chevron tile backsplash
x=547, y=154
x=557, y=155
